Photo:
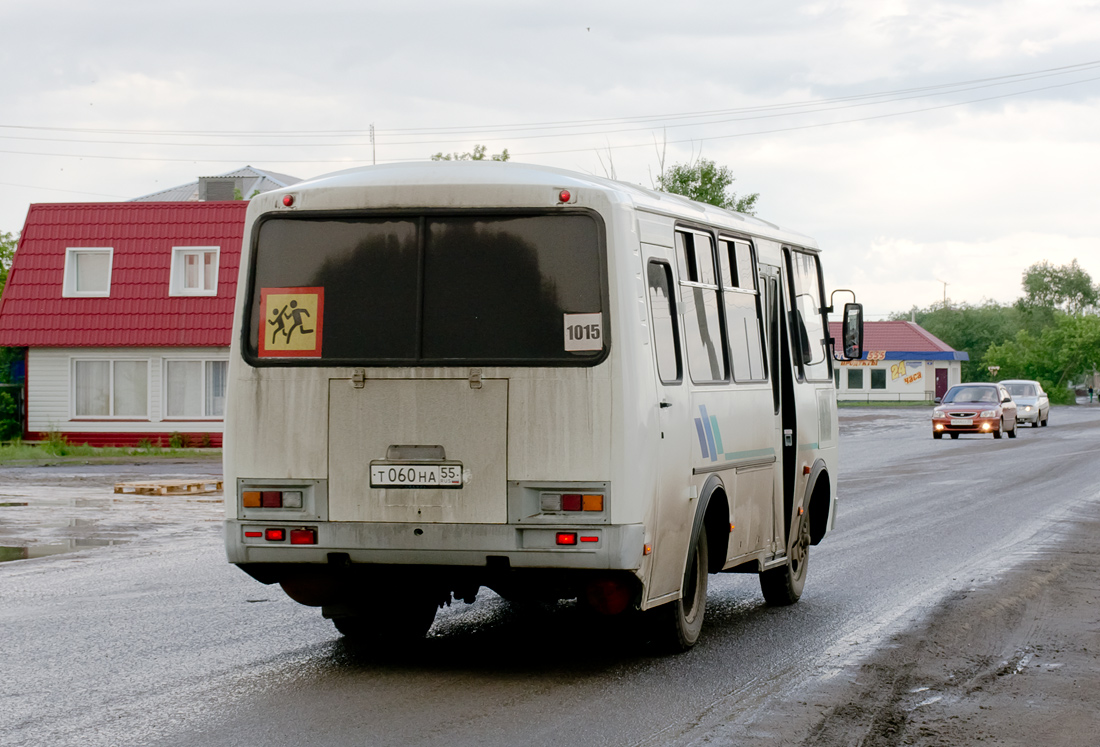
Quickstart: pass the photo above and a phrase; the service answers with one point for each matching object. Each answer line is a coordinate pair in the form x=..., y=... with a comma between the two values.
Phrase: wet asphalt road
x=158, y=641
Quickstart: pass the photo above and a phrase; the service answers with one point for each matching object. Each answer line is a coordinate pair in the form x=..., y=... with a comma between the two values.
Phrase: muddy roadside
x=1013, y=659
x=71, y=505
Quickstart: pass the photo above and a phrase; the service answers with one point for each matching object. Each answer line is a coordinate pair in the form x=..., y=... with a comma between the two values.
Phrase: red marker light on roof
x=288, y=200
x=564, y=196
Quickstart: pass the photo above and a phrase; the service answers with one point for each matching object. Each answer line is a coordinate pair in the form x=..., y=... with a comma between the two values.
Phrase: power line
x=792, y=128
x=899, y=94
x=54, y=189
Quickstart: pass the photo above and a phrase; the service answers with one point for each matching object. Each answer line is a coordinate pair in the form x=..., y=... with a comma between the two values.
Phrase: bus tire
x=679, y=622
x=402, y=620
x=782, y=586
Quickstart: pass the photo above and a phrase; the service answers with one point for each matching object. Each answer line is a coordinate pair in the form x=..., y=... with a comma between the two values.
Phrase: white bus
x=446, y=376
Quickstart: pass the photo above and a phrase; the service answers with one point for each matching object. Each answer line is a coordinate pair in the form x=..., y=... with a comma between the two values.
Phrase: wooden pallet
x=170, y=487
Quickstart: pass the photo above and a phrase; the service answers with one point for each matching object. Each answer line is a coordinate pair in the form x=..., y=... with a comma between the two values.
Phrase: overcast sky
x=920, y=143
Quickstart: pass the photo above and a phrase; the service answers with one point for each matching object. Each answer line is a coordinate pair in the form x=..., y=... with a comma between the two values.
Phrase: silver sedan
x=1032, y=403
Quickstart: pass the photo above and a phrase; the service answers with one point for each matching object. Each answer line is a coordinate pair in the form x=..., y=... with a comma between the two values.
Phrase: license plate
x=406, y=475
x=962, y=421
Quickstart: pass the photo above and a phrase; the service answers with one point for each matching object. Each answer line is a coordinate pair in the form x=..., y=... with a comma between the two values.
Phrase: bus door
x=674, y=426
x=784, y=427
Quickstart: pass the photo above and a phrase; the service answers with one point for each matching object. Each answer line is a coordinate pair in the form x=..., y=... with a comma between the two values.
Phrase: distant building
x=902, y=361
x=124, y=311
x=241, y=184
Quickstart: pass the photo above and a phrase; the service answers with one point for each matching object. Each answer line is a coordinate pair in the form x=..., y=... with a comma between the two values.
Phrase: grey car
x=1032, y=403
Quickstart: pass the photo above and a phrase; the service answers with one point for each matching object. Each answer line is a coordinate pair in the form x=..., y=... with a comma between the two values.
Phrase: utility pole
x=944, y=291
x=373, y=160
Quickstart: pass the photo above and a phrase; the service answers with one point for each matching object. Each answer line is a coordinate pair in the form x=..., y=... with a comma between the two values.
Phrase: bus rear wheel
x=679, y=623
x=783, y=585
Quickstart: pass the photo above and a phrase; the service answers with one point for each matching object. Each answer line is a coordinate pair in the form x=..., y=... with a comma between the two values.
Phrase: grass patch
x=59, y=451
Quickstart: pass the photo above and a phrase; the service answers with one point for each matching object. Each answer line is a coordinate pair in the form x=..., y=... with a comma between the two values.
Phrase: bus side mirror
x=853, y=331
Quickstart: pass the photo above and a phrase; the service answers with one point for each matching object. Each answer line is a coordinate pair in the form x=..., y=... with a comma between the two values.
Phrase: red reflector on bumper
x=253, y=534
x=303, y=537
x=590, y=538
x=275, y=535
x=567, y=538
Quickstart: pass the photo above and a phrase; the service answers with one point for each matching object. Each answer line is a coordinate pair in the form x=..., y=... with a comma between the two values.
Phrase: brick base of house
x=190, y=440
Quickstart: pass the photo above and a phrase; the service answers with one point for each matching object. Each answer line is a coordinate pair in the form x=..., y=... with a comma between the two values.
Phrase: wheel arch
x=712, y=515
x=819, y=499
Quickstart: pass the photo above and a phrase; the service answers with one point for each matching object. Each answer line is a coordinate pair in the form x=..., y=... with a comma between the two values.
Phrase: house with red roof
x=125, y=312
x=902, y=361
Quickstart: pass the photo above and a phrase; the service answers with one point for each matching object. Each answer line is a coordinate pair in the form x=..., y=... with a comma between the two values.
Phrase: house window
x=195, y=389
x=87, y=272
x=110, y=389
x=855, y=378
x=878, y=378
x=194, y=271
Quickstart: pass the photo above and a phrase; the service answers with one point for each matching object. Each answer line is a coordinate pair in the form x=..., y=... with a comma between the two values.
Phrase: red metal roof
x=902, y=336
x=139, y=311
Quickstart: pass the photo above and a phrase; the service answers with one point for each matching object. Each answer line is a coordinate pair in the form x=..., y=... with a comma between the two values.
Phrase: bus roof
x=512, y=174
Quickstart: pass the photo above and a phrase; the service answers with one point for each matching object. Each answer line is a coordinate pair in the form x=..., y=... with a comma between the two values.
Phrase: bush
x=56, y=443
x=177, y=440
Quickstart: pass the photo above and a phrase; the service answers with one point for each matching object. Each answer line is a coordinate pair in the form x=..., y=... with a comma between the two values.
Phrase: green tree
x=478, y=154
x=1065, y=287
x=970, y=328
x=704, y=181
x=1061, y=353
x=8, y=242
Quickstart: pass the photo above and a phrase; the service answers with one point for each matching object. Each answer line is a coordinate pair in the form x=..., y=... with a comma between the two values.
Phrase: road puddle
x=81, y=512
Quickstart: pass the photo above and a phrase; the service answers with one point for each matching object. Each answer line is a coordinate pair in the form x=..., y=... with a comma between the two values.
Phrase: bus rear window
x=429, y=290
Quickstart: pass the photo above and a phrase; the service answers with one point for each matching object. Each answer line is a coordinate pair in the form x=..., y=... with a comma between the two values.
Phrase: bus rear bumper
x=597, y=547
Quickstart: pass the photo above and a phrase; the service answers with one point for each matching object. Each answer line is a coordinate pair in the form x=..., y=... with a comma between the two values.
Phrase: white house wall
x=907, y=380
x=50, y=391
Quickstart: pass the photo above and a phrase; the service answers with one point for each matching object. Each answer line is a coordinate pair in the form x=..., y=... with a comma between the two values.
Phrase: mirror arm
x=829, y=309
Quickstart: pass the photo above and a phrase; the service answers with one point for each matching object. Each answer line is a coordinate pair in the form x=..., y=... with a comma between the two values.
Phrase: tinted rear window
x=435, y=290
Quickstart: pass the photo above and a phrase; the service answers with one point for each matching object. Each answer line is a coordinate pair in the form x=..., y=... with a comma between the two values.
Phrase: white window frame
x=68, y=288
x=176, y=279
x=202, y=389
x=110, y=389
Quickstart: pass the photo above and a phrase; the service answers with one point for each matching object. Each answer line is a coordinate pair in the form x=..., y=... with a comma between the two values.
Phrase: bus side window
x=808, y=321
x=704, y=344
x=662, y=311
x=742, y=302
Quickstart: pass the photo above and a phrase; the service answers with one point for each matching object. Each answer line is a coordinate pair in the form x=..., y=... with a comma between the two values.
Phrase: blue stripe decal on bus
x=702, y=437
x=717, y=434
x=710, y=436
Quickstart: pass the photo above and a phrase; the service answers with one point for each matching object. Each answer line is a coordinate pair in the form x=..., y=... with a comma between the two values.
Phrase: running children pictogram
x=291, y=322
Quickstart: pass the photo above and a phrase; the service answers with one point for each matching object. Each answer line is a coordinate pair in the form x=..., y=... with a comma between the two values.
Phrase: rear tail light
x=566, y=538
x=303, y=536
x=293, y=499
x=555, y=502
x=274, y=535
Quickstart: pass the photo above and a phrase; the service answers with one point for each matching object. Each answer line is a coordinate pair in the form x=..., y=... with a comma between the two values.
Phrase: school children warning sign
x=291, y=320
